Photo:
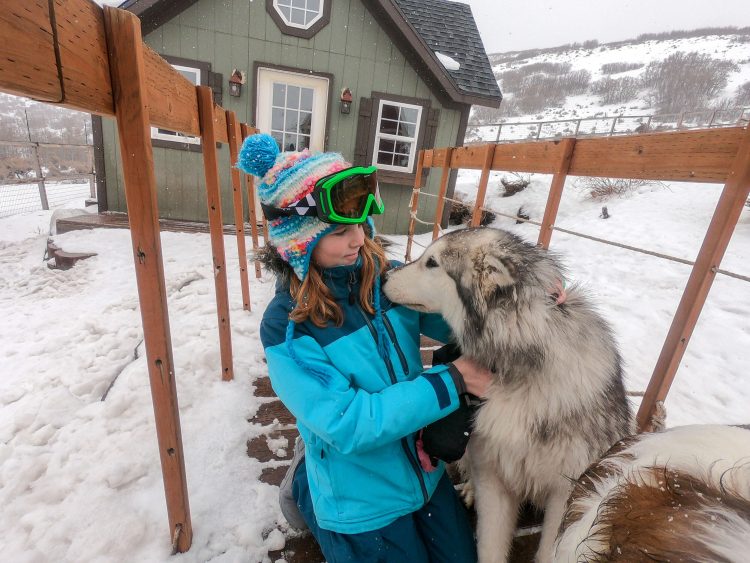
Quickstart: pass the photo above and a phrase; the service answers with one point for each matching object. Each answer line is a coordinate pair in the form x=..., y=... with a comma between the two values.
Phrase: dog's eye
x=431, y=263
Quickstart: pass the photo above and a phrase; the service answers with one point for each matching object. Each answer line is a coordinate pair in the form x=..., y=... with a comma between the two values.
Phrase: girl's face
x=339, y=247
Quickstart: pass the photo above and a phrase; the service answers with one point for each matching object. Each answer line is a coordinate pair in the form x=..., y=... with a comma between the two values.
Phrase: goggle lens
x=350, y=196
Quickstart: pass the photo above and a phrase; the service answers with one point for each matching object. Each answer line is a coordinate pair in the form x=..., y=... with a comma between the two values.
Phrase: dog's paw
x=467, y=493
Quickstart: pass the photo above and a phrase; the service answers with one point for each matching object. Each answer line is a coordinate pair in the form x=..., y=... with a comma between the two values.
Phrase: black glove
x=446, y=439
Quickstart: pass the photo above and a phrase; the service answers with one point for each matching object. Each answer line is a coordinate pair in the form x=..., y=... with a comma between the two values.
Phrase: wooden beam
x=414, y=205
x=445, y=156
x=235, y=138
x=213, y=200
x=28, y=65
x=131, y=105
x=221, y=126
x=476, y=216
x=82, y=45
x=555, y=193
x=704, y=155
x=719, y=233
x=252, y=212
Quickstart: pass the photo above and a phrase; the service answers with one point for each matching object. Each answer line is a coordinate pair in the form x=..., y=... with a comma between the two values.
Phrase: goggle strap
x=305, y=207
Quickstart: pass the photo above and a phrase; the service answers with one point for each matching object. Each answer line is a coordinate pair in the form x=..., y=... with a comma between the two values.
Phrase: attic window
x=299, y=18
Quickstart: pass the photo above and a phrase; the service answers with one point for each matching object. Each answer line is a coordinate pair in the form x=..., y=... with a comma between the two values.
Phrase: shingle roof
x=449, y=28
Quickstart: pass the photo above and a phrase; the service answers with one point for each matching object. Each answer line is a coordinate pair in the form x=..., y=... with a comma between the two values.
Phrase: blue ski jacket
x=359, y=421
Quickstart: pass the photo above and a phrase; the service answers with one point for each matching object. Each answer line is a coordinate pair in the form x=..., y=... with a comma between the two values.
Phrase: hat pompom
x=258, y=154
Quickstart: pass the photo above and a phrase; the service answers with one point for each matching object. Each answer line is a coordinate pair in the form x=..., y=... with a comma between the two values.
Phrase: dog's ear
x=493, y=273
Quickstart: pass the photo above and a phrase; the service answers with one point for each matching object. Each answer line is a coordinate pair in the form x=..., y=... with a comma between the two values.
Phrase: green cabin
x=376, y=80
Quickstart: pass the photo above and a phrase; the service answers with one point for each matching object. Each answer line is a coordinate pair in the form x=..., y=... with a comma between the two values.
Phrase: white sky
x=528, y=24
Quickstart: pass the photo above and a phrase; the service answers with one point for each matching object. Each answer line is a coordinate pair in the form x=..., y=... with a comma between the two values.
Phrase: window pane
x=285, y=2
x=190, y=74
x=409, y=115
x=290, y=142
x=292, y=97
x=286, y=12
x=403, y=148
x=298, y=3
x=279, y=94
x=304, y=142
x=306, y=102
x=313, y=5
x=279, y=138
x=277, y=119
x=304, y=123
x=290, y=123
x=390, y=112
x=407, y=129
x=298, y=16
x=388, y=126
x=401, y=160
x=386, y=145
x=385, y=158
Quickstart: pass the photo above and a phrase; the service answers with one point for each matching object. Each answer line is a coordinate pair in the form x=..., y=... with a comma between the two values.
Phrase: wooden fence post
x=414, y=203
x=555, y=192
x=131, y=108
x=216, y=226
x=252, y=212
x=714, y=245
x=233, y=134
x=442, y=192
x=476, y=216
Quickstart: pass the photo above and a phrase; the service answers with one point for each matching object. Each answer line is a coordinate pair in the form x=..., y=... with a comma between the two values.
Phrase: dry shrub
x=614, y=68
x=461, y=212
x=742, y=95
x=548, y=68
x=515, y=183
x=673, y=92
x=604, y=189
x=616, y=90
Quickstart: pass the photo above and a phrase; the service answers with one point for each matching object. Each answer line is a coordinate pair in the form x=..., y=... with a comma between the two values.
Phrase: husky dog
x=678, y=495
x=558, y=400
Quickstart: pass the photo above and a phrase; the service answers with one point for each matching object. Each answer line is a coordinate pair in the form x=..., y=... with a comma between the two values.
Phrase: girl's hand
x=476, y=378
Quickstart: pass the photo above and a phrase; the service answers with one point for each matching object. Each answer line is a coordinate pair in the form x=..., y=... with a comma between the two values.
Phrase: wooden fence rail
x=707, y=155
x=75, y=54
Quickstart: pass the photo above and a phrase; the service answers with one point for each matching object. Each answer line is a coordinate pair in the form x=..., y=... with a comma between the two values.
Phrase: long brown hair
x=314, y=299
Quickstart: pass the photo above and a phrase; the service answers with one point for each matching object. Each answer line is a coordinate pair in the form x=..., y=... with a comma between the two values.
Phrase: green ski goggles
x=345, y=197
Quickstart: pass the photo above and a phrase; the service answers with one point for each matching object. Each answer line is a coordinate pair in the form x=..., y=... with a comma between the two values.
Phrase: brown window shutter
x=362, y=143
x=216, y=83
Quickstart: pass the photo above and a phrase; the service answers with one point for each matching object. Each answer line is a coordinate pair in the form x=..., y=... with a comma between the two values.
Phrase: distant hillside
x=656, y=73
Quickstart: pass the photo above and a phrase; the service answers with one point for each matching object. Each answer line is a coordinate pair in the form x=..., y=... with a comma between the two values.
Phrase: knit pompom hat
x=286, y=178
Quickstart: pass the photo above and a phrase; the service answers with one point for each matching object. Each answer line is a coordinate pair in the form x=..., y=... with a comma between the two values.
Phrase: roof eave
x=430, y=58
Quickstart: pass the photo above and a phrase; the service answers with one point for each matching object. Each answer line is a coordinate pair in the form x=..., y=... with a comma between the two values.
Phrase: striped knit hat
x=288, y=177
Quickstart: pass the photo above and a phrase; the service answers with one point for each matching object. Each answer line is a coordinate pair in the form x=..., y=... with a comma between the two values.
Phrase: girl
x=346, y=363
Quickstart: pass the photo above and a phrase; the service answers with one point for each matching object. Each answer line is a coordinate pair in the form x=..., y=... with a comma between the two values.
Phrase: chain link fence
x=46, y=156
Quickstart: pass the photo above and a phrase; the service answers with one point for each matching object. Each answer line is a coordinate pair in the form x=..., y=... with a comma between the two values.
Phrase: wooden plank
x=719, y=233
x=252, y=212
x=428, y=158
x=221, y=125
x=126, y=60
x=537, y=157
x=446, y=158
x=555, y=193
x=694, y=156
x=28, y=66
x=82, y=44
x=235, y=137
x=213, y=200
x=439, y=157
x=173, y=103
x=472, y=157
x=414, y=204
x=489, y=153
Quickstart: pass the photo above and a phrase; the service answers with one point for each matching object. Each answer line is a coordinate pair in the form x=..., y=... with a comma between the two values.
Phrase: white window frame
x=398, y=138
x=267, y=76
x=175, y=136
x=300, y=26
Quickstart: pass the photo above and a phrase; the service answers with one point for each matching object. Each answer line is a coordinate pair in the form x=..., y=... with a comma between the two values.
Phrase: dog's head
x=465, y=271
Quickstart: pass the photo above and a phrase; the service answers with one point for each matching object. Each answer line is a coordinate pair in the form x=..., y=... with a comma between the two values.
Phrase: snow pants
x=439, y=532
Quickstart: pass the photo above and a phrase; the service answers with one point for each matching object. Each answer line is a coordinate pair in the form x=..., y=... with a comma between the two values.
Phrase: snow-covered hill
x=627, y=78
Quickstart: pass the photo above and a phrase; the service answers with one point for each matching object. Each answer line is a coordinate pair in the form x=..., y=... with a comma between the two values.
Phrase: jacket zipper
x=392, y=334
x=404, y=441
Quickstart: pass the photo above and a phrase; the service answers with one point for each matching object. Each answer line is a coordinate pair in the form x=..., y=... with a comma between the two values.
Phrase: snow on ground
x=80, y=478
